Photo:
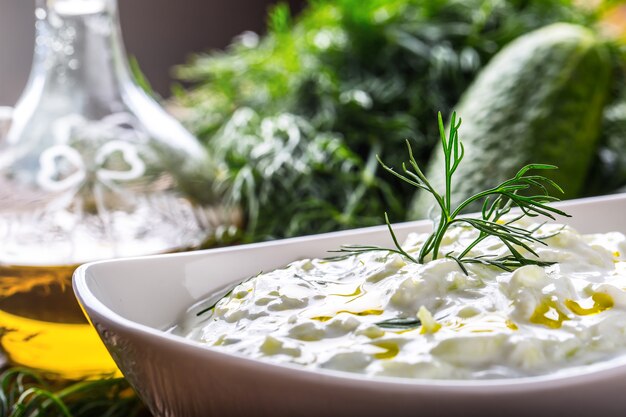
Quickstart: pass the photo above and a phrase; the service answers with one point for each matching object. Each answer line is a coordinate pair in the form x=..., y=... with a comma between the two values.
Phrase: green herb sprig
x=497, y=202
x=26, y=393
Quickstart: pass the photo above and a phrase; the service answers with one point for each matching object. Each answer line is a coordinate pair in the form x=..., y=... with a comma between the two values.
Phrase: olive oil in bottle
x=43, y=327
x=91, y=168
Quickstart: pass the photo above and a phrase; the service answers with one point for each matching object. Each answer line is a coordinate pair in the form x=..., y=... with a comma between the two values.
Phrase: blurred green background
x=296, y=117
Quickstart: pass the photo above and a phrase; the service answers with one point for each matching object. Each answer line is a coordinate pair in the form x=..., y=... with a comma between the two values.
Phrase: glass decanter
x=91, y=167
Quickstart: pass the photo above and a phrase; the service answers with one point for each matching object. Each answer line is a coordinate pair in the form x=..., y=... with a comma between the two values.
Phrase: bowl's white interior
x=155, y=291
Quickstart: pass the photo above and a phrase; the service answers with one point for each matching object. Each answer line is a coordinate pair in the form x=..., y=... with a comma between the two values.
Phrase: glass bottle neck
x=78, y=47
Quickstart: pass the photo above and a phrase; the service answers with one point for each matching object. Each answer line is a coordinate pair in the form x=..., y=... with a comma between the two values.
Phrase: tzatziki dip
x=377, y=313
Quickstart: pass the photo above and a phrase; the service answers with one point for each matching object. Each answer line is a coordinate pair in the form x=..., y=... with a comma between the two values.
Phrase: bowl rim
x=576, y=375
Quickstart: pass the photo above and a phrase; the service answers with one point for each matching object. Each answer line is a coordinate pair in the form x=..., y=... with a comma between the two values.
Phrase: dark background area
x=159, y=33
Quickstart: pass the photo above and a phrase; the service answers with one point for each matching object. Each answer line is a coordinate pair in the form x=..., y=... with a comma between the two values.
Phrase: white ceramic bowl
x=132, y=301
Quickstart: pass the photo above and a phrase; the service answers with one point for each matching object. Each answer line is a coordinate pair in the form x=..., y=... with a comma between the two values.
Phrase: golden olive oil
x=390, y=349
x=43, y=327
x=356, y=313
x=601, y=302
x=548, y=314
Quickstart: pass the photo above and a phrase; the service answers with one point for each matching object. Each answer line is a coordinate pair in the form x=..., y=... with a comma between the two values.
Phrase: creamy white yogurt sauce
x=487, y=324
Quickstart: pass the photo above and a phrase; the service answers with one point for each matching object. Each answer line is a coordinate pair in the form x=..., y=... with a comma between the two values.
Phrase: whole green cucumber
x=539, y=100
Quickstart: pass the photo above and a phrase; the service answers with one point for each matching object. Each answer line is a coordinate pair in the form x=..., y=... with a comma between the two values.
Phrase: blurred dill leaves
x=25, y=393
x=295, y=117
x=608, y=173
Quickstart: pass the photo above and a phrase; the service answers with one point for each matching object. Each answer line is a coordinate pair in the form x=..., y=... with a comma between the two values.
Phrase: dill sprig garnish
x=496, y=203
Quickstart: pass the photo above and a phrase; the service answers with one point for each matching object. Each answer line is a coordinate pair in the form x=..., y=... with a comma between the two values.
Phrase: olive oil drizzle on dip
x=489, y=323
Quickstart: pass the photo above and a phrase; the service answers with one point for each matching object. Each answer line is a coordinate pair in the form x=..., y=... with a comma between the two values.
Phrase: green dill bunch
x=367, y=73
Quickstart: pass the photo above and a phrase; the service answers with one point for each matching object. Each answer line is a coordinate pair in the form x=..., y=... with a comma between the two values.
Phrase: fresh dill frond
x=527, y=191
x=349, y=250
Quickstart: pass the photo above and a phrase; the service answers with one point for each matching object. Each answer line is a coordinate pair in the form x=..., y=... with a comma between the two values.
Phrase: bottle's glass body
x=90, y=168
